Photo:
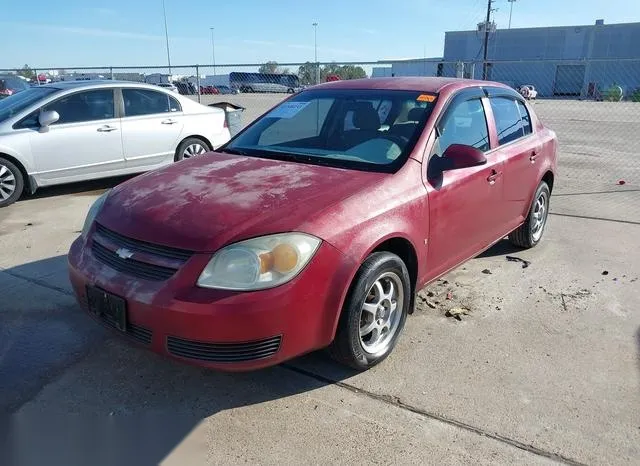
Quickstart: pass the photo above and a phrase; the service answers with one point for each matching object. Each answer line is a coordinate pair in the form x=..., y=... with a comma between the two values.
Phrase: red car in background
x=318, y=223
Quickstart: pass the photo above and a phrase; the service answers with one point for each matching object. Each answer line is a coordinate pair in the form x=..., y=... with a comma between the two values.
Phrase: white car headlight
x=259, y=263
x=91, y=215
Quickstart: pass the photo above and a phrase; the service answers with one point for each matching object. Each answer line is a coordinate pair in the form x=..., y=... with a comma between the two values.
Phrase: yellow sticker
x=426, y=98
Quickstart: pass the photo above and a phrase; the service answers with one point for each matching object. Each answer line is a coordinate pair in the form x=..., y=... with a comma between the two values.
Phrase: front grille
x=142, y=246
x=224, y=352
x=131, y=266
x=141, y=334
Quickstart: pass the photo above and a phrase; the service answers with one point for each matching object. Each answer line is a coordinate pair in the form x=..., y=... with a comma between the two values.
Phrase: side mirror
x=462, y=156
x=48, y=118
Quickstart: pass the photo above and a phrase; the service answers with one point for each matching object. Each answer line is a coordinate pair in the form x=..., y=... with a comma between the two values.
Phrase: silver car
x=74, y=131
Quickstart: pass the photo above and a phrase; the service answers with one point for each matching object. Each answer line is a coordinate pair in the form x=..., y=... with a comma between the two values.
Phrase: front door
x=84, y=143
x=464, y=204
x=152, y=123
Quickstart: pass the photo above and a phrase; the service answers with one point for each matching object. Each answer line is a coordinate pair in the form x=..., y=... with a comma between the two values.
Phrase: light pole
x=213, y=51
x=315, y=48
x=511, y=11
x=166, y=35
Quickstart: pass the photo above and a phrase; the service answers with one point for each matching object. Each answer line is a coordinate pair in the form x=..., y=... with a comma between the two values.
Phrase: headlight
x=91, y=215
x=259, y=263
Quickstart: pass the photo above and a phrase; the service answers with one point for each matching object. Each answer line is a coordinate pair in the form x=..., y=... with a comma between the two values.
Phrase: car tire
x=371, y=307
x=530, y=232
x=191, y=147
x=11, y=183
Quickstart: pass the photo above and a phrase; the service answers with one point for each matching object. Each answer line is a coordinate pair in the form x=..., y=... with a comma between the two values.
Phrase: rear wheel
x=11, y=183
x=191, y=147
x=374, y=312
x=530, y=232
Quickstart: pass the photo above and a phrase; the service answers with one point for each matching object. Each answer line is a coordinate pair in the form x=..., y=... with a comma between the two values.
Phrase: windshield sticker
x=287, y=110
x=426, y=98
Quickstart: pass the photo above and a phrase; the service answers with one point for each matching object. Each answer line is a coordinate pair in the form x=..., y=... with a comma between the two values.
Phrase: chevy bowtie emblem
x=124, y=253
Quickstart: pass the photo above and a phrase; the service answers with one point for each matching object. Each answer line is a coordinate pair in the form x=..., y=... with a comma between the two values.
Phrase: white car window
x=139, y=102
x=84, y=106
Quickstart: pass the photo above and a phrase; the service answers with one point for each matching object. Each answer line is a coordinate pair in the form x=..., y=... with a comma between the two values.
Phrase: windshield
x=14, y=104
x=368, y=129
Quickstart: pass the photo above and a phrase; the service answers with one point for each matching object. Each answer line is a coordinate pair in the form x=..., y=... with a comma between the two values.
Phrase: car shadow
x=501, y=248
x=60, y=361
x=82, y=188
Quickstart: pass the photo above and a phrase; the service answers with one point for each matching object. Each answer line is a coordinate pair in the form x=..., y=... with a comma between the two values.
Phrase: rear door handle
x=533, y=156
x=107, y=129
x=493, y=177
x=169, y=121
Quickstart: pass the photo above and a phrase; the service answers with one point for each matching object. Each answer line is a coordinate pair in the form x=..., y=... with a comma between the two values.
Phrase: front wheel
x=374, y=312
x=530, y=232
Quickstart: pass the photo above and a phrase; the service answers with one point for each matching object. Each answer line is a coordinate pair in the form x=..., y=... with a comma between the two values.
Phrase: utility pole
x=485, y=67
x=213, y=51
x=166, y=35
x=315, y=48
x=511, y=11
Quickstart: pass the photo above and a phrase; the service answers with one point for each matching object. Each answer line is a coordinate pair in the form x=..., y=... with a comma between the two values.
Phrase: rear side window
x=525, y=118
x=508, y=119
x=139, y=102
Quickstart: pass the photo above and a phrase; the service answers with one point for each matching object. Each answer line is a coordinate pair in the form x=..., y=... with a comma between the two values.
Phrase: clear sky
x=66, y=33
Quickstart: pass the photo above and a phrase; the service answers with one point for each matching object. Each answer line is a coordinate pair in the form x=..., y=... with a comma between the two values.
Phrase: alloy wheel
x=381, y=313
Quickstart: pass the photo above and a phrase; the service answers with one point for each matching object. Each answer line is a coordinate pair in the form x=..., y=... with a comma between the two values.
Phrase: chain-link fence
x=592, y=105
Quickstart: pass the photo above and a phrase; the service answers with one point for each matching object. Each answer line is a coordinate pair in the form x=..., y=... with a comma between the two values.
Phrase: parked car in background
x=303, y=233
x=11, y=84
x=209, y=90
x=264, y=82
x=80, y=130
x=528, y=92
x=168, y=86
x=226, y=90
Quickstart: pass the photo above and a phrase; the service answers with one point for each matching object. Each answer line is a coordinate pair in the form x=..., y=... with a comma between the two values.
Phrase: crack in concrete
x=37, y=281
x=586, y=217
x=398, y=403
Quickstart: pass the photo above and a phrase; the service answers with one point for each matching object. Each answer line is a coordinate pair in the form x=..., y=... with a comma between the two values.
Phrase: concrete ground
x=545, y=368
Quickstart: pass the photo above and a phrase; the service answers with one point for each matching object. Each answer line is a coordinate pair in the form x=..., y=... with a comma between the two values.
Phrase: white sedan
x=74, y=131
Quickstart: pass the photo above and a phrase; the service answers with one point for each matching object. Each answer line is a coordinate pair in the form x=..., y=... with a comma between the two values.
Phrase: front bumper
x=222, y=329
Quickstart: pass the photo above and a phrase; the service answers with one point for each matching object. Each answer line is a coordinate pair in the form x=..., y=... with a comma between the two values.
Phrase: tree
x=307, y=73
x=269, y=67
x=352, y=72
x=27, y=72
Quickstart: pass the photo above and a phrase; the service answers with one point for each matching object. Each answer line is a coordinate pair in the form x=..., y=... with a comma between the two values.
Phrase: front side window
x=16, y=103
x=84, y=106
x=353, y=128
x=138, y=102
x=464, y=123
x=508, y=120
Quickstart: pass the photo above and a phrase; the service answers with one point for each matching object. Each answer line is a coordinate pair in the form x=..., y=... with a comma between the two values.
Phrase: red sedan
x=317, y=224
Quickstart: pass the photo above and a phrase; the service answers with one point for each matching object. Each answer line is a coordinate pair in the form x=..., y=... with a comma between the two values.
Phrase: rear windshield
x=16, y=103
x=367, y=129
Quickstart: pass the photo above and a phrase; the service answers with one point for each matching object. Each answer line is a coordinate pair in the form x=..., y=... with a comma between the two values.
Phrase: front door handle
x=493, y=177
x=169, y=121
x=533, y=156
x=107, y=129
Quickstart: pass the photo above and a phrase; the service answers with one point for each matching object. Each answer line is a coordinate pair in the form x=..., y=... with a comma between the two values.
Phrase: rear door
x=152, y=123
x=464, y=204
x=518, y=146
x=85, y=141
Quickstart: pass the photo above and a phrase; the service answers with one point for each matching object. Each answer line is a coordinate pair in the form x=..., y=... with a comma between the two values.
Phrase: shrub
x=613, y=94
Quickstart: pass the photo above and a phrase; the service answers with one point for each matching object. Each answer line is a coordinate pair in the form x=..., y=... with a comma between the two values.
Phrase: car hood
x=203, y=203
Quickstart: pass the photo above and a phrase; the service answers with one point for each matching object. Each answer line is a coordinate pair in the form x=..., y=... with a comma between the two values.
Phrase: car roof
x=409, y=83
x=86, y=84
